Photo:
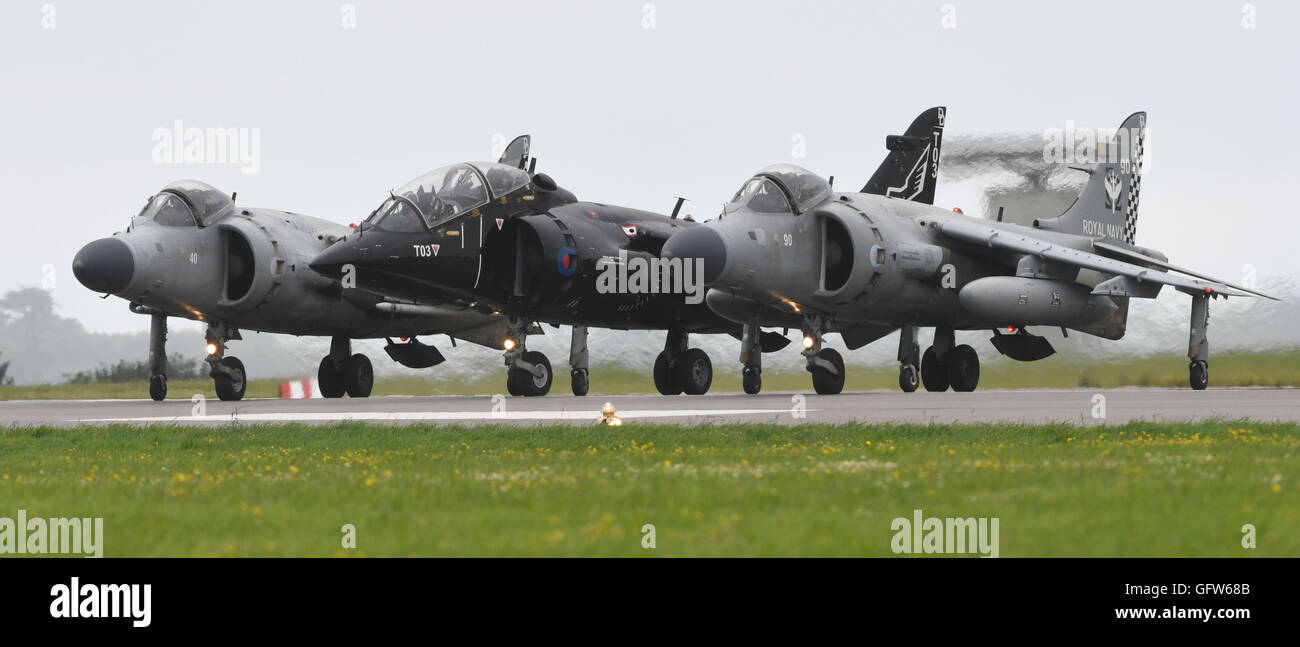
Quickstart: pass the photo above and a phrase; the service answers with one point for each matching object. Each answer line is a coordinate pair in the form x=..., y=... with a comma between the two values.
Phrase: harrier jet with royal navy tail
x=789, y=251
x=192, y=253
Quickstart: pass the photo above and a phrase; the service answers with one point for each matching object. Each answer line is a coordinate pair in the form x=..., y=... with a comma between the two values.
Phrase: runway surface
x=1081, y=406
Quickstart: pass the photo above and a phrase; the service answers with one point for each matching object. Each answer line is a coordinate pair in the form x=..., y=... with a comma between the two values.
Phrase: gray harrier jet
x=789, y=251
x=192, y=253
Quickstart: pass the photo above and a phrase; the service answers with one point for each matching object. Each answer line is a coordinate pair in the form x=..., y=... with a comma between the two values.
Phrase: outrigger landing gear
x=528, y=373
x=680, y=369
x=344, y=372
x=227, y=373
x=158, y=357
x=944, y=364
x=909, y=359
x=751, y=356
x=1198, y=343
x=825, y=364
x=579, y=378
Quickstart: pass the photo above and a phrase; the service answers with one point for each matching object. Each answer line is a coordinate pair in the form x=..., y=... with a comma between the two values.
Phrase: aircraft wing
x=1130, y=280
x=1155, y=262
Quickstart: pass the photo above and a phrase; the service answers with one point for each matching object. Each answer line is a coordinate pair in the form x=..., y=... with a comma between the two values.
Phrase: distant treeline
x=179, y=367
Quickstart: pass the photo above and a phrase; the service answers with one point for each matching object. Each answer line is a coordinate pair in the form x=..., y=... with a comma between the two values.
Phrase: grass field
x=1058, y=490
x=1226, y=369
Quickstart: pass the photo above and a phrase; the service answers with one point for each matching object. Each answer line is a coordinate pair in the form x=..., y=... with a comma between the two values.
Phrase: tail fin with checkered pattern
x=1107, y=207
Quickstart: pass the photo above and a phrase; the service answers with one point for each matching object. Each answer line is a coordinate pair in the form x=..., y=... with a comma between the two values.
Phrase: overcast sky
x=629, y=102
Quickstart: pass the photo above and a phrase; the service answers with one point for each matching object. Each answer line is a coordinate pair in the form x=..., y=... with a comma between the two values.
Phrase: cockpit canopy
x=782, y=188
x=445, y=193
x=187, y=203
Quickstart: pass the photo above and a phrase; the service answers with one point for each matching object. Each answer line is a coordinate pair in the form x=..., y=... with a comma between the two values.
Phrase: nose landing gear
x=825, y=364
x=227, y=373
x=909, y=357
x=751, y=356
x=579, y=377
x=528, y=373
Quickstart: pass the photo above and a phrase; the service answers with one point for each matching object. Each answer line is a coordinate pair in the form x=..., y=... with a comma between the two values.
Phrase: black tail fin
x=911, y=169
x=1107, y=206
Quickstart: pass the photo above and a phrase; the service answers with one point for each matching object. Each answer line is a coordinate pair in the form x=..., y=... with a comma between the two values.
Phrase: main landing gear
x=825, y=364
x=528, y=373
x=943, y=364
x=1198, y=343
x=344, y=372
x=680, y=369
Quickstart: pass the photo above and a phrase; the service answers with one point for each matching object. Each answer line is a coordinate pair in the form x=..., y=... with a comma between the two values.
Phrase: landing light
x=808, y=341
x=212, y=348
x=509, y=344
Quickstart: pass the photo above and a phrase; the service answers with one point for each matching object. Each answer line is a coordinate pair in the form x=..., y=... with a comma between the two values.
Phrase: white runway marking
x=873, y=407
x=342, y=416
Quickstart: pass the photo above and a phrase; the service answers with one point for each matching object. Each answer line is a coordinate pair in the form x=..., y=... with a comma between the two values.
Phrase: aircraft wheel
x=230, y=387
x=665, y=377
x=824, y=382
x=752, y=379
x=532, y=385
x=695, y=372
x=907, y=378
x=514, y=381
x=329, y=379
x=358, y=376
x=158, y=387
x=963, y=368
x=934, y=374
x=1199, y=375
x=579, y=381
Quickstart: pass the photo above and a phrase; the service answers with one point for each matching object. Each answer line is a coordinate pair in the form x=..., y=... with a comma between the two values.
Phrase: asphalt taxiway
x=1080, y=406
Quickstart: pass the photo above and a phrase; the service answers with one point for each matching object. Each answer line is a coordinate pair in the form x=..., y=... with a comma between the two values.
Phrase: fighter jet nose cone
x=105, y=265
x=330, y=262
x=325, y=269
x=700, y=242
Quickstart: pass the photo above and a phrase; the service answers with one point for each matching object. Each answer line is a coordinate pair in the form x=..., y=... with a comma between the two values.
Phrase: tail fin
x=516, y=154
x=911, y=169
x=1107, y=207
